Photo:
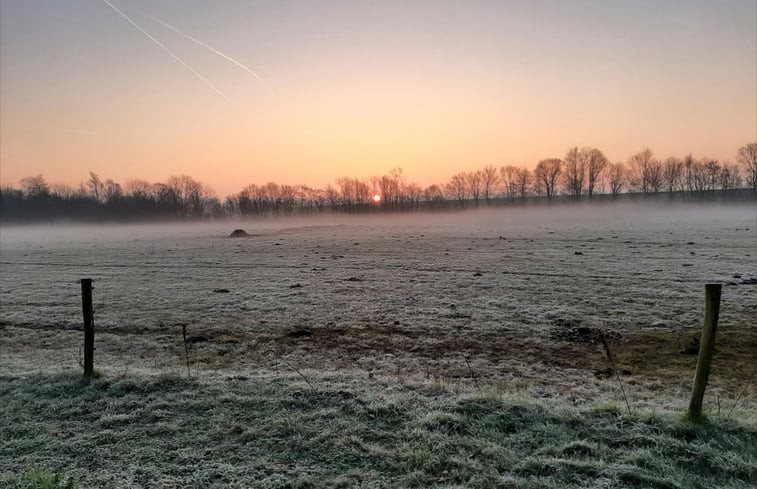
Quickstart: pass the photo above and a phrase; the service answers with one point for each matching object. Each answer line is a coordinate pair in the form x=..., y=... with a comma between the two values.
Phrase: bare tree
x=489, y=180
x=199, y=197
x=185, y=195
x=332, y=196
x=509, y=179
x=457, y=187
x=245, y=201
x=139, y=189
x=35, y=186
x=596, y=163
x=413, y=193
x=645, y=171
x=574, y=171
x=699, y=177
x=63, y=190
x=399, y=181
x=475, y=182
x=616, y=177
x=729, y=177
x=747, y=157
x=672, y=172
x=523, y=179
x=433, y=193
x=311, y=197
x=270, y=194
x=354, y=191
x=231, y=205
x=391, y=187
x=96, y=186
x=582, y=169
x=712, y=174
x=654, y=175
x=318, y=197
x=688, y=172
x=288, y=197
x=111, y=191
x=546, y=174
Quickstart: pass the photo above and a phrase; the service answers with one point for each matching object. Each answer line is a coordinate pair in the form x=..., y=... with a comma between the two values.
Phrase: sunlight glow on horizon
x=434, y=88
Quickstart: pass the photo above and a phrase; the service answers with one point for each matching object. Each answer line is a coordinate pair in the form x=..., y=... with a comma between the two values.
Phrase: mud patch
x=570, y=330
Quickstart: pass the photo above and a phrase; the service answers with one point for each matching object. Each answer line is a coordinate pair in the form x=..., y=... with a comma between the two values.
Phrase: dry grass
x=650, y=362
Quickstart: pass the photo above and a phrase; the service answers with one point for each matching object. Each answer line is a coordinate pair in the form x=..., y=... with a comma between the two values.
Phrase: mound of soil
x=299, y=333
x=238, y=233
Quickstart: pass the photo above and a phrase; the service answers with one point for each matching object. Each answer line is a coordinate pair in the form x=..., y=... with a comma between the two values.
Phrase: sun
x=376, y=198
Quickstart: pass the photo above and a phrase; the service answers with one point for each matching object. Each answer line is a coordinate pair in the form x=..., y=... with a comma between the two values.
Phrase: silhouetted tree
x=747, y=157
x=524, y=181
x=688, y=172
x=508, y=177
x=433, y=193
x=712, y=170
x=596, y=163
x=616, y=177
x=730, y=176
x=397, y=176
x=332, y=196
x=391, y=187
x=672, y=172
x=489, y=181
x=95, y=186
x=35, y=187
x=546, y=173
x=698, y=175
x=354, y=191
x=183, y=197
x=574, y=171
x=112, y=191
x=138, y=189
x=645, y=171
x=457, y=187
x=475, y=182
x=413, y=192
x=63, y=191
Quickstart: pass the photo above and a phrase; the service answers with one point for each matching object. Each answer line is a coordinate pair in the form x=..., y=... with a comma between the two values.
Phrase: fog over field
x=351, y=292
x=618, y=266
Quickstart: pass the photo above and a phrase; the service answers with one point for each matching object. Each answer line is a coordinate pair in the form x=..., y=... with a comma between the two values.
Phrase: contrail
x=174, y=56
x=219, y=53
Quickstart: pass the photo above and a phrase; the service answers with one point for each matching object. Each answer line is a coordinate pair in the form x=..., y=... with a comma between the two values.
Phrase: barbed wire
x=633, y=277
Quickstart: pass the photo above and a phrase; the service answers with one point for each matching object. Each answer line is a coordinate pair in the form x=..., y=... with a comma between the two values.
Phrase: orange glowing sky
x=360, y=87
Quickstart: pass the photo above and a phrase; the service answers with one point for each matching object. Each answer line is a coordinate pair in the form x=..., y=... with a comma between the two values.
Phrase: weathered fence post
x=706, y=347
x=89, y=326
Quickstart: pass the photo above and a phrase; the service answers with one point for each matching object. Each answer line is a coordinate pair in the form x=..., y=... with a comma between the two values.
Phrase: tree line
x=581, y=173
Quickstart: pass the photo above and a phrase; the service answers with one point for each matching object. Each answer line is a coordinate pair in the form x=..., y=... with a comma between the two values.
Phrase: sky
x=304, y=92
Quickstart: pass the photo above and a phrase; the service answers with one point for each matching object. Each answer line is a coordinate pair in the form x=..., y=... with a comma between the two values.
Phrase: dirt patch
x=661, y=355
x=573, y=332
x=653, y=359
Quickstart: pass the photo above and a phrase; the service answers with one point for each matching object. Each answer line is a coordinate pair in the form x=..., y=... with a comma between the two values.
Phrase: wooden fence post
x=706, y=347
x=89, y=326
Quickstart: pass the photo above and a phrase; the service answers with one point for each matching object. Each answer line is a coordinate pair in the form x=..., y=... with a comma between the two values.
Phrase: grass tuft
x=37, y=479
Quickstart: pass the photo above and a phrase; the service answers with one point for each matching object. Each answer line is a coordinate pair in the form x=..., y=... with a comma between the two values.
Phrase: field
x=457, y=349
